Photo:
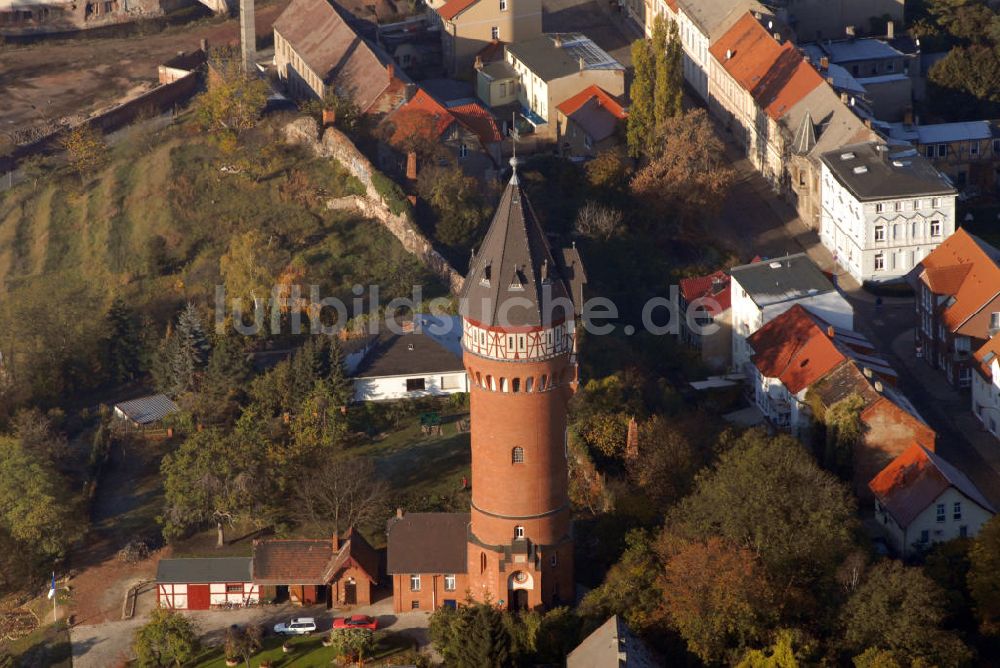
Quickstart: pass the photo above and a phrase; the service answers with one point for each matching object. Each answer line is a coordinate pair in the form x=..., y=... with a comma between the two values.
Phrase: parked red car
x=356, y=622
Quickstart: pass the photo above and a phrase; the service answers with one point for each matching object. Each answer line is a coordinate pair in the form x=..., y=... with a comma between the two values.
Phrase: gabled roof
x=987, y=356
x=428, y=543
x=423, y=116
x=206, y=570
x=334, y=52
x=795, y=349
x=965, y=268
x=310, y=561
x=410, y=353
x=835, y=123
x=776, y=75
x=595, y=110
x=713, y=17
x=612, y=645
x=715, y=286
x=915, y=480
x=514, y=274
x=453, y=8
x=147, y=410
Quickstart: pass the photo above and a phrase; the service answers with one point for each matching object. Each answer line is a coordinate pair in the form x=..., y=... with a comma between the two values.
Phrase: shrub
x=391, y=194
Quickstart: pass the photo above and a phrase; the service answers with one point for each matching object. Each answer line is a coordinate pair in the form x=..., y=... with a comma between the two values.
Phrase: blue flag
x=52, y=590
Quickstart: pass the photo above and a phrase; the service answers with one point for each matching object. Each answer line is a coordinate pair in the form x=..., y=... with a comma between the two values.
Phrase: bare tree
x=597, y=221
x=343, y=492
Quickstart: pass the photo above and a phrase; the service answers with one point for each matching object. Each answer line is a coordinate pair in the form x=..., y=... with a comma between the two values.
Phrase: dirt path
x=44, y=82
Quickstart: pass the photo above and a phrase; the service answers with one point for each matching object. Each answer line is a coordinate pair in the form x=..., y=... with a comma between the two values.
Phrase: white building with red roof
x=706, y=302
x=590, y=122
x=921, y=499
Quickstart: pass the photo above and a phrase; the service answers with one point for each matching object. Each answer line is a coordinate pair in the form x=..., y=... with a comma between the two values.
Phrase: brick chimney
x=335, y=542
x=829, y=331
x=399, y=513
x=890, y=30
x=411, y=166
x=824, y=63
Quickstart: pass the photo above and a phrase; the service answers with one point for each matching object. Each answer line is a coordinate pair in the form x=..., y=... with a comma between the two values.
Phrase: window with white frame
x=880, y=233
x=879, y=261
x=942, y=150
x=878, y=207
x=495, y=32
x=995, y=320
x=898, y=206
x=935, y=202
x=956, y=511
x=935, y=228
x=503, y=5
x=518, y=532
x=463, y=150
x=449, y=582
x=940, y=512
x=974, y=148
x=517, y=455
x=916, y=205
x=414, y=583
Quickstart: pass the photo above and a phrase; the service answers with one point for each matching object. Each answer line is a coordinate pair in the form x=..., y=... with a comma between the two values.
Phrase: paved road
x=754, y=221
x=109, y=644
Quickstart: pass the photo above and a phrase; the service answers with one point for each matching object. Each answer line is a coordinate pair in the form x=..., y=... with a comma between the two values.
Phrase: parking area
x=109, y=643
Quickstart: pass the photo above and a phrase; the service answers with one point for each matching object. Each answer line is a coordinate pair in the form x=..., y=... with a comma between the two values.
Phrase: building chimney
x=411, y=166
x=844, y=98
x=557, y=40
x=583, y=65
x=824, y=63
x=329, y=117
x=890, y=30
x=335, y=542
x=829, y=331
x=248, y=37
x=390, y=70
x=777, y=37
x=850, y=31
x=729, y=54
x=479, y=63
x=399, y=513
x=868, y=123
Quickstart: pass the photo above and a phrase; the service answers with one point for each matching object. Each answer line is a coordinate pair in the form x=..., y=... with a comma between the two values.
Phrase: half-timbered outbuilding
x=198, y=584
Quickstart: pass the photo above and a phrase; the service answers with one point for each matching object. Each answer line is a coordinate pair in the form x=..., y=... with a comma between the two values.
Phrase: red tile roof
x=795, y=348
x=776, y=75
x=604, y=98
x=966, y=268
x=715, y=286
x=915, y=480
x=310, y=561
x=453, y=8
x=985, y=358
x=492, y=51
x=424, y=116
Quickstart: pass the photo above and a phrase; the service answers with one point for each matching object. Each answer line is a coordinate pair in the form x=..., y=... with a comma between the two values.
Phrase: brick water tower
x=518, y=317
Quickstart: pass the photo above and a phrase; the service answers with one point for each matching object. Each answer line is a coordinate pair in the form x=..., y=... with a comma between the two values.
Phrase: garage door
x=198, y=597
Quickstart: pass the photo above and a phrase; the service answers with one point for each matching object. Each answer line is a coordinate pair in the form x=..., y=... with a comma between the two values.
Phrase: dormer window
x=485, y=279
x=518, y=280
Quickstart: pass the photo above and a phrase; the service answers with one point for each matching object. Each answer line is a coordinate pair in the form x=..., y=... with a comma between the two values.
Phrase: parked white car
x=296, y=626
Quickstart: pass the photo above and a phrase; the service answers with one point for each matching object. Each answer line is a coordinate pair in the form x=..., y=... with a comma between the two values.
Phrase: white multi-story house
x=920, y=499
x=761, y=291
x=986, y=381
x=883, y=209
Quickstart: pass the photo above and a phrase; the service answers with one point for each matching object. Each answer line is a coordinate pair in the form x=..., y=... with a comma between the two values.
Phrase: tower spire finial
x=513, y=142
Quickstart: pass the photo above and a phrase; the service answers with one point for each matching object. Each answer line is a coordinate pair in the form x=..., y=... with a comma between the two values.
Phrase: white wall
x=696, y=55
x=848, y=229
x=986, y=398
x=973, y=516
x=217, y=594
x=533, y=93
x=785, y=410
x=385, y=388
x=748, y=317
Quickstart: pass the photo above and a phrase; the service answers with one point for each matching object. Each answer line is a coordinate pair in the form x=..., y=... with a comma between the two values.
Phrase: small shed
x=200, y=583
x=145, y=412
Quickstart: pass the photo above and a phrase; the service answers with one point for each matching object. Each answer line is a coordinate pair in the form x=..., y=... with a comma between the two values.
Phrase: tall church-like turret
x=518, y=315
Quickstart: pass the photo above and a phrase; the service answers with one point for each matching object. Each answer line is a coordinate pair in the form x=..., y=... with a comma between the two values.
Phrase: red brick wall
x=432, y=594
x=363, y=587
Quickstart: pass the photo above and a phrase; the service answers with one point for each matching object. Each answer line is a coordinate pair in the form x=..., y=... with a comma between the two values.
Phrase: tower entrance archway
x=518, y=599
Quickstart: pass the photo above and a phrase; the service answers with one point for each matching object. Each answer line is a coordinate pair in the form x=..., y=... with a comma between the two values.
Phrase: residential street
x=754, y=221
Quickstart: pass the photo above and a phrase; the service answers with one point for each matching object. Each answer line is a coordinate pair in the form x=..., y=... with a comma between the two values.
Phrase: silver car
x=296, y=626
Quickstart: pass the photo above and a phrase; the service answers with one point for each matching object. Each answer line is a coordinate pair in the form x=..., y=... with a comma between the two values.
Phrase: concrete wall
x=336, y=145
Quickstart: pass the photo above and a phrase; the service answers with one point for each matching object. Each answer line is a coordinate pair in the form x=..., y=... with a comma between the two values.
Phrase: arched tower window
x=515, y=385
x=503, y=384
x=529, y=383
x=517, y=455
x=479, y=379
x=490, y=385
x=482, y=562
x=543, y=382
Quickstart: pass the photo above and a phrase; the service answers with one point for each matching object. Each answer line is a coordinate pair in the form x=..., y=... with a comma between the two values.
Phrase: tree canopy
x=167, y=639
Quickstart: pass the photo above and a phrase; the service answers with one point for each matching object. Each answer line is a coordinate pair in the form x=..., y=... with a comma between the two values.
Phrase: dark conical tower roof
x=514, y=263
x=805, y=137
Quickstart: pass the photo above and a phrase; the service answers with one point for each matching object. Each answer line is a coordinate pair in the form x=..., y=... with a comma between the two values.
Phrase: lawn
x=48, y=646
x=308, y=652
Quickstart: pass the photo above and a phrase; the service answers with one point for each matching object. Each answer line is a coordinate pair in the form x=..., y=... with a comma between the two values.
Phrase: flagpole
x=55, y=604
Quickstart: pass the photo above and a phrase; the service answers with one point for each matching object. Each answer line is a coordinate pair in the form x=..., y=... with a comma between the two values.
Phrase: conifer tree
x=189, y=353
x=675, y=71
x=122, y=346
x=641, y=114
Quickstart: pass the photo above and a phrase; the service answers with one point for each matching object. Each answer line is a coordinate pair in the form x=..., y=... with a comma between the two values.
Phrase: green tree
x=899, y=609
x=800, y=549
x=248, y=268
x=167, y=639
x=223, y=386
x=843, y=434
x=320, y=425
x=785, y=652
x=38, y=519
x=456, y=201
x=667, y=88
x=233, y=101
x=631, y=588
x=474, y=636
x=354, y=644
x=188, y=353
x=642, y=110
x=122, y=345
x=214, y=478
x=984, y=576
